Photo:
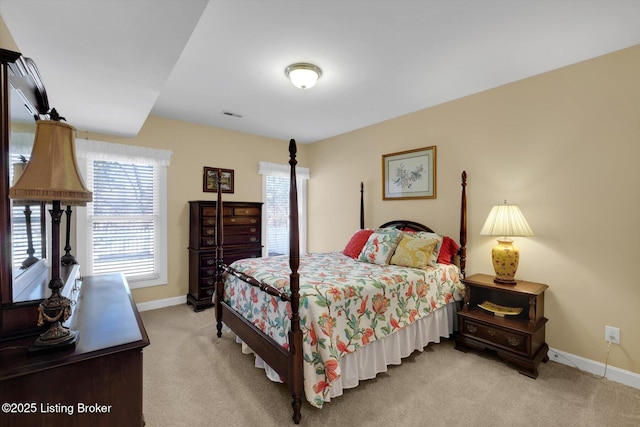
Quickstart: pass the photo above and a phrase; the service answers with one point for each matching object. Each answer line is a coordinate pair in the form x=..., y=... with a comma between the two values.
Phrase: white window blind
x=277, y=213
x=20, y=147
x=19, y=234
x=276, y=180
x=123, y=219
x=124, y=228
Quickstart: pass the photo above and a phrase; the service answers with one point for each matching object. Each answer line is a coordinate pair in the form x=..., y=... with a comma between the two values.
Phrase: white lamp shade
x=303, y=76
x=506, y=220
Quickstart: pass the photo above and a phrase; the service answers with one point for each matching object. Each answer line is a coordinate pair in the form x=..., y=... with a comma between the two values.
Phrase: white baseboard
x=596, y=368
x=161, y=303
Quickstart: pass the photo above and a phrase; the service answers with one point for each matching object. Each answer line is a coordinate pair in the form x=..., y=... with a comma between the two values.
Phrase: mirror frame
x=16, y=318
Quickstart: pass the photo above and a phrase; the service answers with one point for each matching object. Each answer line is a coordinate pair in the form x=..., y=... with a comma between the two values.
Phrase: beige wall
x=6, y=39
x=564, y=147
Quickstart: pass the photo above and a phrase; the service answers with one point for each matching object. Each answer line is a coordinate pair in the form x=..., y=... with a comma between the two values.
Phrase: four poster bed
x=390, y=292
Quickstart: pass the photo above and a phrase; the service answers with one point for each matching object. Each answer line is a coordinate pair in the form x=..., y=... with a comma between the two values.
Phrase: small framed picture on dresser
x=210, y=180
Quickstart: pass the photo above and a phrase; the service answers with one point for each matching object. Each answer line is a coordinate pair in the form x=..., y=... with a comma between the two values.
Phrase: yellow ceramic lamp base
x=505, y=259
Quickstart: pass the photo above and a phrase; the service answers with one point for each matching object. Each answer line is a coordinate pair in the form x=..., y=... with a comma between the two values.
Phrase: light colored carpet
x=193, y=378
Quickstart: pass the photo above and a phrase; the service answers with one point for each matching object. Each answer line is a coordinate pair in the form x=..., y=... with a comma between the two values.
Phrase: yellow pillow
x=414, y=252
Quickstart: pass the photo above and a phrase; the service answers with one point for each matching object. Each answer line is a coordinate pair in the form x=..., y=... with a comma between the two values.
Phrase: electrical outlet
x=612, y=334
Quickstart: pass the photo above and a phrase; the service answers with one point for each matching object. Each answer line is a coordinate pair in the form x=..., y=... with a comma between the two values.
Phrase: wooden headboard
x=406, y=225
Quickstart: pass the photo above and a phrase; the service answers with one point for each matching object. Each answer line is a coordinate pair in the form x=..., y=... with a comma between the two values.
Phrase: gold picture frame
x=409, y=174
x=210, y=180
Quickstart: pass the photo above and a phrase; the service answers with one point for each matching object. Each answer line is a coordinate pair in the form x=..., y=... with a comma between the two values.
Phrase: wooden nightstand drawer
x=509, y=340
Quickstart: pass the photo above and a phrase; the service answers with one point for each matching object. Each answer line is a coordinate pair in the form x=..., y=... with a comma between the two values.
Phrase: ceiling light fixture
x=303, y=75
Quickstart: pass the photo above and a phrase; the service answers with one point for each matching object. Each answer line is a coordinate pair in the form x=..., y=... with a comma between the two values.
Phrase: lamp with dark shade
x=52, y=175
x=505, y=221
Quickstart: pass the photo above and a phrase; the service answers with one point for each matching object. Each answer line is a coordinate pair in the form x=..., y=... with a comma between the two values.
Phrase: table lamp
x=505, y=221
x=52, y=175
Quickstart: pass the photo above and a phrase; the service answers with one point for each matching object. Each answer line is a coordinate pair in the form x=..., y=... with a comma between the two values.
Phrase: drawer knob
x=253, y=229
x=210, y=291
x=253, y=221
x=514, y=341
x=472, y=328
x=210, y=242
x=254, y=239
x=210, y=232
x=211, y=261
x=232, y=220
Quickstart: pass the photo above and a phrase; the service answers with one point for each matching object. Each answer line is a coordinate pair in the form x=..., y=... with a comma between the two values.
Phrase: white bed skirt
x=374, y=358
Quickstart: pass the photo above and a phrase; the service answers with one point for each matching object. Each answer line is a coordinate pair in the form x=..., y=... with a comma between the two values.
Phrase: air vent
x=229, y=113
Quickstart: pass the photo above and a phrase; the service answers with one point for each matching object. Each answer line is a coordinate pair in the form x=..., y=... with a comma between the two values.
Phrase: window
x=19, y=149
x=124, y=228
x=275, y=190
x=21, y=231
x=277, y=214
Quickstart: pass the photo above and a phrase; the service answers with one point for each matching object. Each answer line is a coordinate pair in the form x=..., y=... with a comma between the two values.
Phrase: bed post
x=463, y=225
x=296, y=380
x=361, y=205
x=219, y=294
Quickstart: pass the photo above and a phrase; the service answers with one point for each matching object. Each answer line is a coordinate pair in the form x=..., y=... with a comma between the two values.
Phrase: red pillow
x=448, y=249
x=355, y=245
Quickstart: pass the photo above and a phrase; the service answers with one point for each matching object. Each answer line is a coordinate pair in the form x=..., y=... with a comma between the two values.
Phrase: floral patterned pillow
x=380, y=247
x=436, y=251
x=414, y=252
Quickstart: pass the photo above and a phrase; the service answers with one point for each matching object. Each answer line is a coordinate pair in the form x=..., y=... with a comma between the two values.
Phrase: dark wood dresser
x=99, y=383
x=242, y=239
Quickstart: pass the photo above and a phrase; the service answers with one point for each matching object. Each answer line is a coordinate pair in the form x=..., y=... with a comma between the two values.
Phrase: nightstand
x=511, y=324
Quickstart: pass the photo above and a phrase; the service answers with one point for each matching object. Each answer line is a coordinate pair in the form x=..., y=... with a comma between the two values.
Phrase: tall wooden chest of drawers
x=242, y=239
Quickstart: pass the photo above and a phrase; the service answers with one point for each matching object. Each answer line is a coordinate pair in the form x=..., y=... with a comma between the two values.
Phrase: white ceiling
x=108, y=64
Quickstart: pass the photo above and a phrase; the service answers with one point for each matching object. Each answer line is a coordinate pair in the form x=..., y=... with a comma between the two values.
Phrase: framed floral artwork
x=210, y=180
x=409, y=174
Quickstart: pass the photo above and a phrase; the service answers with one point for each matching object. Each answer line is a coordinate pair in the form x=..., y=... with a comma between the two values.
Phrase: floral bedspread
x=344, y=305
